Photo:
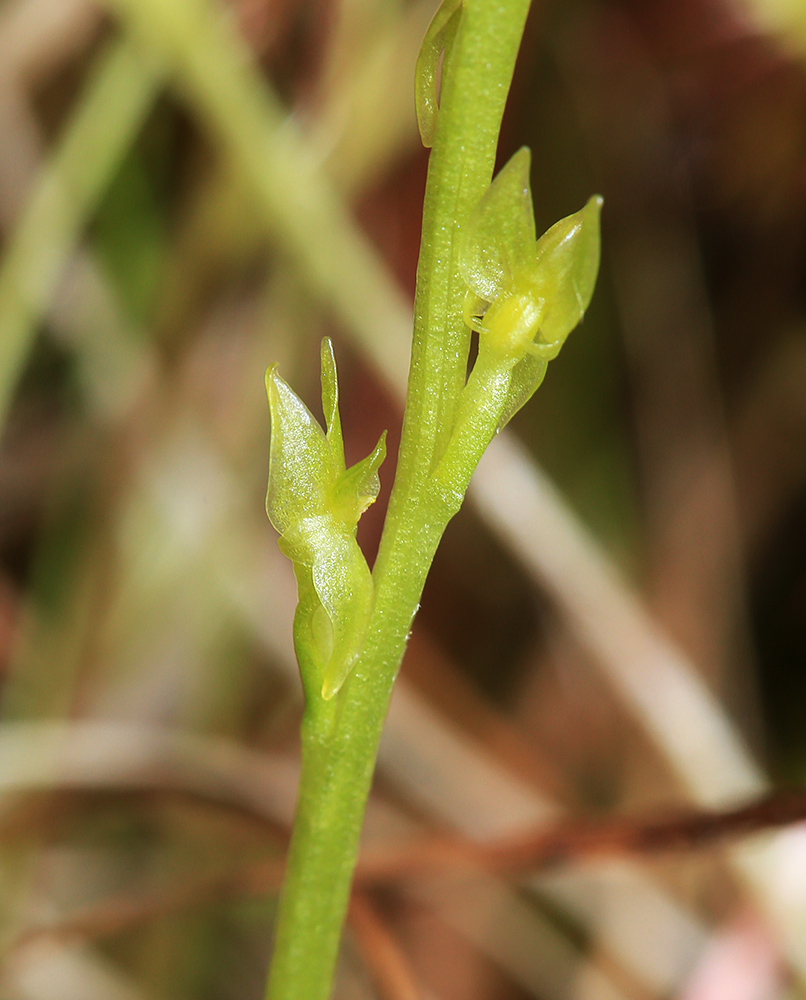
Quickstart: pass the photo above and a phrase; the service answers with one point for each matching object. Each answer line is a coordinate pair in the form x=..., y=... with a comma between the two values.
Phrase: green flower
x=315, y=503
x=524, y=295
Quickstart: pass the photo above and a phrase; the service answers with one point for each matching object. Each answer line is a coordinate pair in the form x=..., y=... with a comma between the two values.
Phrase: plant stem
x=476, y=77
x=340, y=738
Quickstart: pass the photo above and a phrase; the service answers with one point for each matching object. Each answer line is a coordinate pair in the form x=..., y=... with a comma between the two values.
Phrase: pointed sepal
x=566, y=266
x=498, y=240
x=330, y=403
x=527, y=375
x=344, y=585
x=331, y=624
x=301, y=471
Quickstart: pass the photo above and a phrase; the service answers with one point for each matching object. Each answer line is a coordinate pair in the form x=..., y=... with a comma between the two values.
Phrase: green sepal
x=526, y=378
x=437, y=38
x=330, y=403
x=563, y=279
x=498, y=240
x=343, y=582
x=343, y=586
x=565, y=270
x=301, y=467
x=313, y=633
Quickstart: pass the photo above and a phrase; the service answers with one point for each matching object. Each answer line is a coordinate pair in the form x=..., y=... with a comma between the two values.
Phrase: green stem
x=478, y=415
x=340, y=738
x=476, y=77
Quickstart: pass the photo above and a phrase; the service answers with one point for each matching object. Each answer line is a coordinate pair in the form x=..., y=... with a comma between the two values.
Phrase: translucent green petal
x=301, y=468
x=498, y=240
x=313, y=633
x=436, y=38
x=564, y=272
x=359, y=486
x=527, y=375
x=325, y=554
x=343, y=583
x=330, y=403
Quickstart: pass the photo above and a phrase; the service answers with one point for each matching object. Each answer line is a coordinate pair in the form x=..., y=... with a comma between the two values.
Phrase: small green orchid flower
x=315, y=503
x=525, y=295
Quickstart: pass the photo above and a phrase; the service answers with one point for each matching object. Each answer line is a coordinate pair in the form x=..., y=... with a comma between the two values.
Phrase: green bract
x=425, y=75
x=525, y=295
x=315, y=503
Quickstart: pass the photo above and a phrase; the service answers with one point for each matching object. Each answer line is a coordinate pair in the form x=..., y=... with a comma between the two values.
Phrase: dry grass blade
x=383, y=956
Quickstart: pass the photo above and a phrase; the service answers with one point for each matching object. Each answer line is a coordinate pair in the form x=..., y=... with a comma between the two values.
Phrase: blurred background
x=616, y=621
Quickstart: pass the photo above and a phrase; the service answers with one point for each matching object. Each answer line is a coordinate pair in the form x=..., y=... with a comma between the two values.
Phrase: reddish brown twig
x=576, y=840
x=564, y=843
x=681, y=830
x=382, y=955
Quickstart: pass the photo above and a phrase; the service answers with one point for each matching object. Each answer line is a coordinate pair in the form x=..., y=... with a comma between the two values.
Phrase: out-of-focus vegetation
x=152, y=267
